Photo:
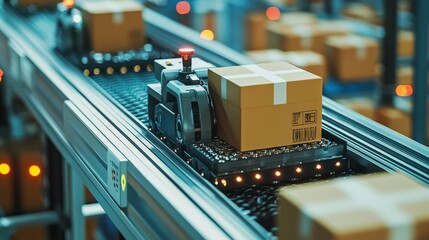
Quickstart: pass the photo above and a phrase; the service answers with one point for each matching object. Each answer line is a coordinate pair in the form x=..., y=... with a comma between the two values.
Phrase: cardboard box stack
x=309, y=61
x=266, y=105
x=113, y=26
x=379, y=206
x=352, y=58
x=405, y=44
x=361, y=105
x=395, y=119
x=256, y=35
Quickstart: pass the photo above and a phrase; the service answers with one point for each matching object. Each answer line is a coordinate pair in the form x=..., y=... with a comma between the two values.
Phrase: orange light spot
x=298, y=170
x=1, y=75
x=258, y=176
x=278, y=173
x=239, y=179
x=404, y=90
x=4, y=169
x=338, y=164
x=34, y=171
x=69, y=3
x=318, y=166
x=273, y=13
x=183, y=7
x=224, y=183
x=207, y=35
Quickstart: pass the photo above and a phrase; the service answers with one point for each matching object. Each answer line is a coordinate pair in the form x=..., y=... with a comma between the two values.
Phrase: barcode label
x=304, y=134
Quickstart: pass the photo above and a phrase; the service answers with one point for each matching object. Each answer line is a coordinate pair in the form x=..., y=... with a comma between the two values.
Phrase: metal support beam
x=389, y=51
x=74, y=200
x=8, y=225
x=421, y=25
x=52, y=161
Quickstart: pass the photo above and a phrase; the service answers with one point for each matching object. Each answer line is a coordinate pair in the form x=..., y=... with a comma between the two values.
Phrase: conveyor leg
x=74, y=200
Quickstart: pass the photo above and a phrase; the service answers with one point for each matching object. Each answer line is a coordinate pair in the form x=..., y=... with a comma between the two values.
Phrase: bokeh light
x=34, y=170
x=273, y=13
x=207, y=35
x=404, y=90
x=4, y=169
x=183, y=7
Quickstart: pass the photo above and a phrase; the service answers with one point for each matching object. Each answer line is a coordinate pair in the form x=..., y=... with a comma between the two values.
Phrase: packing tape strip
x=280, y=84
x=362, y=195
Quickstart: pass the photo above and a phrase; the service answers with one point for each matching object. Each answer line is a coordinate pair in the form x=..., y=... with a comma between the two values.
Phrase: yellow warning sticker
x=123, y=182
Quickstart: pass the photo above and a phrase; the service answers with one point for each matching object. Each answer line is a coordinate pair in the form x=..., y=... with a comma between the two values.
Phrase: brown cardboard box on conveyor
x=113, y=26
x=266, y=105
x=379, y=206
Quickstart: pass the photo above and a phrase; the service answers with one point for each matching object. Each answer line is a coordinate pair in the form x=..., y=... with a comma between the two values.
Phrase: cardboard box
x=268, y=55
x=266, y=105
x=37, y=3
x=395, y=119
x=292, y=19
x=405, y=44
x=335, y=27
x=352, y=58
x=308, y=60
x=405, y=75
x=295, y=38
x=361, y=105
x=256, y=35
x=113, y=26
x=362, y=12
x=378, y=206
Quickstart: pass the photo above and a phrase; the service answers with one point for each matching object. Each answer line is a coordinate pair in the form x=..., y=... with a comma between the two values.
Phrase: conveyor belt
x=259, y=202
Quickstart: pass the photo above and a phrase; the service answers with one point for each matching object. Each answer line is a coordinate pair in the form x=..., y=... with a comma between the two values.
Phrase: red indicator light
x=183, y=7
x=1, y=75
x=273, y=13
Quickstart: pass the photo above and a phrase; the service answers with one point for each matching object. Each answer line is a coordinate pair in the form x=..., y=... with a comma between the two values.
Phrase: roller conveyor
x=114, y=110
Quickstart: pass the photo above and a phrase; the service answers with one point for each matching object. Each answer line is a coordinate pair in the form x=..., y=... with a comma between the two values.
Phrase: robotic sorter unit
x=109, y=123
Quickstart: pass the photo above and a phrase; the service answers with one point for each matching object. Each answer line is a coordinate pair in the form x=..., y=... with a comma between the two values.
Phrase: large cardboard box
x=309, y=61
x=395, y=119
x=268, y=55
x=405, y=43
x=266, y=105
x=113, y=26
x=374, y=207
x=352, y=58
x=256, y=35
